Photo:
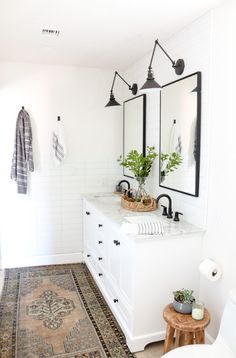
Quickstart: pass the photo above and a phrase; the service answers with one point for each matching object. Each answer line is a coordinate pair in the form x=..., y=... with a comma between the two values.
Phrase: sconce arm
x=153, y=52
x=172, y=61
x=117, y=74
x=123, y=79
x=133, y=88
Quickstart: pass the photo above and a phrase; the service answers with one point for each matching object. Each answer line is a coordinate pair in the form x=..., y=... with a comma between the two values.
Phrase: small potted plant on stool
x=183, y=300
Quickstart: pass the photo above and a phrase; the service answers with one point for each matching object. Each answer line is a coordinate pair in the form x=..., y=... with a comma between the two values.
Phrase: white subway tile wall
x=45, y=226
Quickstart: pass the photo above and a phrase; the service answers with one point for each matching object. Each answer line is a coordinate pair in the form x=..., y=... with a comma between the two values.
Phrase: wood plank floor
x=153, y=350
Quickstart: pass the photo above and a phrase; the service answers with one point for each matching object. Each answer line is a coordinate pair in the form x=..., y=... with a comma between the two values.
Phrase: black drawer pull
x=115, y=300
x=99, y=225
x=100, y=274
x=88, y=255
x=100, y=242
x=116, y=242
x=100, y=258
x=87, y=213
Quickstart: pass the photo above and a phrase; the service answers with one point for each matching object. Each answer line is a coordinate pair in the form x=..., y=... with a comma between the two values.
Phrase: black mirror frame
x=144, y=128
x=198, y=136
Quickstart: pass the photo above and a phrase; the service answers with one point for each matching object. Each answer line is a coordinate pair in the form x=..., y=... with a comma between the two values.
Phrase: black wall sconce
x=112, y=100
x=151, y=83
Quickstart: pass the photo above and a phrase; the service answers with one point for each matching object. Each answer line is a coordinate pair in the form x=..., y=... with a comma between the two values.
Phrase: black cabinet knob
x=88, y=255
x=100, y=274
x=100, y=242
x=87, y=213
x=99, y=225
x=115, y=300
x=100, y=258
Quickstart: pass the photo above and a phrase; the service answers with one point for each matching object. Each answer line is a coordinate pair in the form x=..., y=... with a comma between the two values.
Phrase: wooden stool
x=186, y=329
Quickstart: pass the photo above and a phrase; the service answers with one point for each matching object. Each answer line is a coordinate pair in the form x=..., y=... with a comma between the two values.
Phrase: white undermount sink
x=107, y=199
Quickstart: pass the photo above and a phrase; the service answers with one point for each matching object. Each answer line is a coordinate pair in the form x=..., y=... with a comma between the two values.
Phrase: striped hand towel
x=22, y=160
x=154, y=227
x=58, y=144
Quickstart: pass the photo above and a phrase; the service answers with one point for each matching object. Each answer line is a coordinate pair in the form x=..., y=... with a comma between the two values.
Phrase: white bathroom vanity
x=136, y=273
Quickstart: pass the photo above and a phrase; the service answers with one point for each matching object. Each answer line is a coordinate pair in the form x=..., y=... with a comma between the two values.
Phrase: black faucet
x=124, y=181
x=169, y=213
x=126, y=192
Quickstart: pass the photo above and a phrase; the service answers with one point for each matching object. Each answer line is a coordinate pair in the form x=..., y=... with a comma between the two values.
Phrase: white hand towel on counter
x=147, y=227
x=58, y=143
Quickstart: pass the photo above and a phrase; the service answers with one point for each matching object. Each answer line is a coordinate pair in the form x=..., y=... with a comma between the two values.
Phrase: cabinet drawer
x=92, y=216
x=118, y=302
x=100, y=274
x=101, y=260
x=96, y=265
x=88, y=210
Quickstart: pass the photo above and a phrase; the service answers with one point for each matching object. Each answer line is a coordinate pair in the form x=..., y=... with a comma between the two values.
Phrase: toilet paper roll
x=210, y=269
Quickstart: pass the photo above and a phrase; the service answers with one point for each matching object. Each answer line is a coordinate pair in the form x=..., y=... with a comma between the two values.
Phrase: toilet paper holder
x=210, y=269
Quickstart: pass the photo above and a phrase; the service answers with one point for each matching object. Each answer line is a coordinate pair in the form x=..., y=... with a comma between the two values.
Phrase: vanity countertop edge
x=108, y=204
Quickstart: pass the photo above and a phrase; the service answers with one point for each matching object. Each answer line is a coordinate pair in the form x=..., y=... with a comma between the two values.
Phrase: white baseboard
x=43, y=260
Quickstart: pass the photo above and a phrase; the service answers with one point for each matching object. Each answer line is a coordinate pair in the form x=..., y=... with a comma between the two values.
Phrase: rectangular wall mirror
x=134, y=127
x=180, y=135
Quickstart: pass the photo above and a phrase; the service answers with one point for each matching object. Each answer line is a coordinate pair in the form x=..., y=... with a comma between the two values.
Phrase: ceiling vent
x=51, y=32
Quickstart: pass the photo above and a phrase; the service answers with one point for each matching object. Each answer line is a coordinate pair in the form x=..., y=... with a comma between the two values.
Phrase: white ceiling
x=94, y=33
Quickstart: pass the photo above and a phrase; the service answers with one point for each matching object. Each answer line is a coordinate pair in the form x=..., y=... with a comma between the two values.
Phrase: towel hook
x=58, y=118
x=23, y=107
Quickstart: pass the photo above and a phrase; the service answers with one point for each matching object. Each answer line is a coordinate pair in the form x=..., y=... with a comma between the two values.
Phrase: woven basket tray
x=128, y=204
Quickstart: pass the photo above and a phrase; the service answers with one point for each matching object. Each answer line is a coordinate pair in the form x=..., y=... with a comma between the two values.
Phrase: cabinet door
x=94, y=233
x=88, y=227
x=120, y=262
x=115, y=248
x=100, y=241
x=127, y=274
x=118, y=302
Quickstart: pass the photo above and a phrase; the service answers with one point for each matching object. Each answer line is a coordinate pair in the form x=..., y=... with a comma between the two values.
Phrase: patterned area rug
x=57, y=311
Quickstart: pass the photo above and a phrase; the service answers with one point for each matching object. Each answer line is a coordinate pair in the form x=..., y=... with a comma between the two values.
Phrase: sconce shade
x=133, y=89
x=112, y=101
x=150, y=84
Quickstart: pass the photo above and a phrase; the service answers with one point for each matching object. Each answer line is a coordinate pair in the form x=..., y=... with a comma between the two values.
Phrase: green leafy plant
x=184, y=296
x=139, y=164
x=170, y=162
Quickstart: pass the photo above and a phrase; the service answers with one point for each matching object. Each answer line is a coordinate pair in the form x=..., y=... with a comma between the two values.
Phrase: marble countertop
x=109, y=205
